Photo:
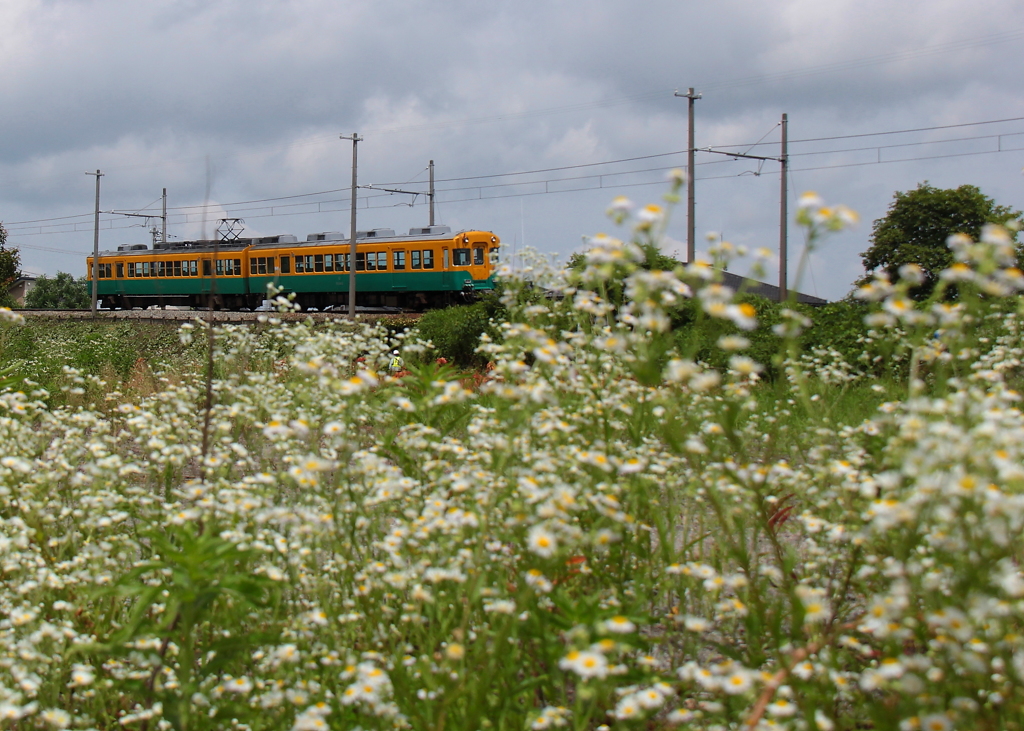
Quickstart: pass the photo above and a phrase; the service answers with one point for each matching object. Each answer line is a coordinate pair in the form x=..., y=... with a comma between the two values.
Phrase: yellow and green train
x=429, y=267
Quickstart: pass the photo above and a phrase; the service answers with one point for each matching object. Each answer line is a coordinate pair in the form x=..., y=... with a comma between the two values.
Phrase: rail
x=215, y=316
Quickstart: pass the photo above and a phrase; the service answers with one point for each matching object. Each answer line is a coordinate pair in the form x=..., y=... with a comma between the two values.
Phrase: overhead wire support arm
x=739, y=154
x=391, y=190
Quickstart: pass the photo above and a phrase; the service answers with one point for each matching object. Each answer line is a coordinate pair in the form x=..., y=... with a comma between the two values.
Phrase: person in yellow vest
x=396, y=364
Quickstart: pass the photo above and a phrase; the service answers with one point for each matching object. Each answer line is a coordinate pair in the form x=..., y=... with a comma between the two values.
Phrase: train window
x=206, y=267
x=398, y=259
x=286, y=265
x=478, y=256
x=328, y=262
x=131, y=269
x=318, y=262
x=159, y=269
x=299, y=268
x=145, y=268
x=460, y=257
x=120, y=270
x=308, y=259
x=229, y=267
x=252, y=265
x=382, y=261
x=494, y=254
x=192, y=268
x=261, y=265
x=415, y=257
x=360, y=261
x=428, y=259
x=344, y=267
x=371, y=261
x=177, y=268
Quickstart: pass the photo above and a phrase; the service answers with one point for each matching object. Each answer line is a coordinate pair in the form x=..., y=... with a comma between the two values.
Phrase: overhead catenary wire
x=578, y=166
x=549, y=191
x=70, y=225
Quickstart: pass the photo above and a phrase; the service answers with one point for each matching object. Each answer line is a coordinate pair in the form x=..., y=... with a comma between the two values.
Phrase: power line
x=547, y=191
x=891, y=132
x=22, y=227
x=748, y=145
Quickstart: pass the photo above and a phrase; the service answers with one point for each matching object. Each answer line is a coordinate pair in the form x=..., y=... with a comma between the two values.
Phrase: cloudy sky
x=240, y=103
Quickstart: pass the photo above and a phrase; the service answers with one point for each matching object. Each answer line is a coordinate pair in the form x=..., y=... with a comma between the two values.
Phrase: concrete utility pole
x=691, y=243
x=783, y=160
x=431, y=193
x=163, y=217
x=96, y=246
x=352, y=241
x=783, y=216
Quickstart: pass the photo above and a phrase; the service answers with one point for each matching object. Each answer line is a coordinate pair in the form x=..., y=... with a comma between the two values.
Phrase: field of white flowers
x=602, y=534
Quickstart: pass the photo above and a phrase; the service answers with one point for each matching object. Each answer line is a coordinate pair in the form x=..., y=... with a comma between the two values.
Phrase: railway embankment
x=128, y=350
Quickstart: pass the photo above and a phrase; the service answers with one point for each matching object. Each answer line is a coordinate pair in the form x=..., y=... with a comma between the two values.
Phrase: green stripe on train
x=384, y=282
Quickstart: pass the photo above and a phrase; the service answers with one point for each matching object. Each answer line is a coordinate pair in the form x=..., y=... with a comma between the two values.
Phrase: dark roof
x=768, y=291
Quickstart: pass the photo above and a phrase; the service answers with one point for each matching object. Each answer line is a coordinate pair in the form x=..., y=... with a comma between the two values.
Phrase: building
x=20, y=288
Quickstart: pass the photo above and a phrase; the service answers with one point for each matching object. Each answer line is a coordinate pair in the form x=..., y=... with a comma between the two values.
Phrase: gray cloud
x=150, y=91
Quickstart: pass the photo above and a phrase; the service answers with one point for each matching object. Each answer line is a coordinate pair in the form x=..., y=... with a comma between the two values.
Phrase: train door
x=446, y=275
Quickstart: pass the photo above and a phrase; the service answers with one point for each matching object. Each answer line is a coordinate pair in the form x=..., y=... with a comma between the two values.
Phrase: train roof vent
x=428, y=230
x=281, y=239
x=376, y=233
x=327, y=236
x=124, y=247
x=163, y=245
x=139, y=247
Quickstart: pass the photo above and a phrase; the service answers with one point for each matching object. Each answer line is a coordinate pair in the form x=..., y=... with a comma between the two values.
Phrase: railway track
x=215, y=316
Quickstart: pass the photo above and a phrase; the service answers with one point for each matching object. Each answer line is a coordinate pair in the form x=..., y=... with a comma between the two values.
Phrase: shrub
x=455, y=331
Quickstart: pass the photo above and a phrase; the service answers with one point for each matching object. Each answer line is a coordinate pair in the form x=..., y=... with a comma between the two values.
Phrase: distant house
x=21, y=287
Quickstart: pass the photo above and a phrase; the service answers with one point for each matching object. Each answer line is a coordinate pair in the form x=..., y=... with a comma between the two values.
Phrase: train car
x=429, y=267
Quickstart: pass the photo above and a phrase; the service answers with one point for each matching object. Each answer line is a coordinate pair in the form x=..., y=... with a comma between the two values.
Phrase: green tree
x=63, y=292
x=918, y=223
x=10, y=269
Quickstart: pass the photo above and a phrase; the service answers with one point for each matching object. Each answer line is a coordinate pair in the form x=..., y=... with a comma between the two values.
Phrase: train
x=429, y=267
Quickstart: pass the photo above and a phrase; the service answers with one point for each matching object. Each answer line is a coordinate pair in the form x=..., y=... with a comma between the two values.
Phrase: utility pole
x=163, y=217
x=431, y=193
x=783, y=160
x=783, y=216
x=352, y=241
x=96, y=245
x=691, y=245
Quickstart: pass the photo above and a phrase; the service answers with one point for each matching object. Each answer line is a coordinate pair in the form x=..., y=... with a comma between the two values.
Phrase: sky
x=536, y=114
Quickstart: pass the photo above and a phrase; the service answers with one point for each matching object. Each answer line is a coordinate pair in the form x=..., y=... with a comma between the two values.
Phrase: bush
x=63, y=292
x=455, y=331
